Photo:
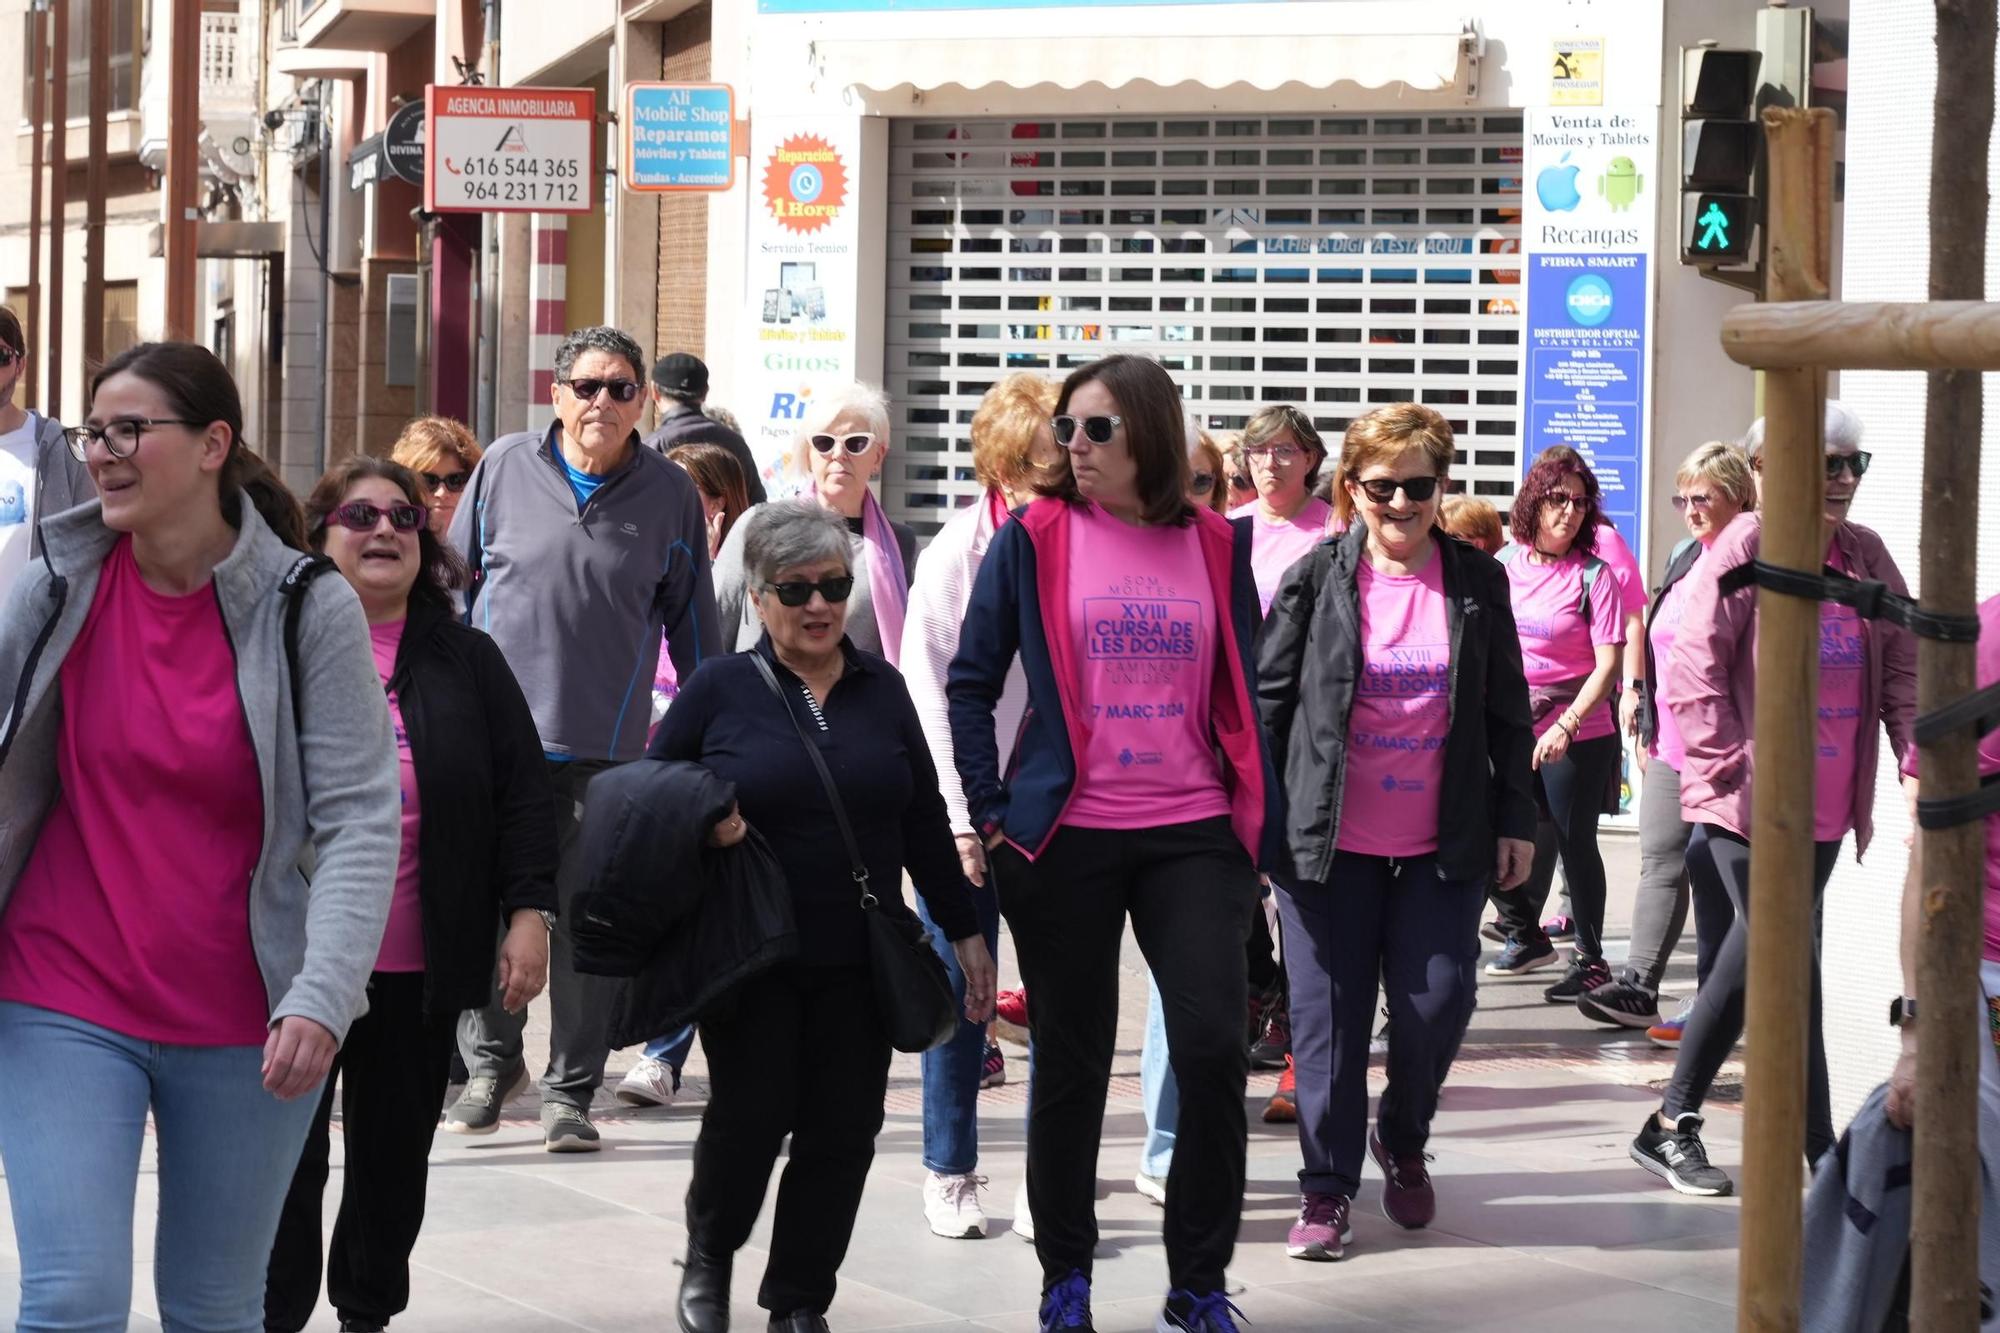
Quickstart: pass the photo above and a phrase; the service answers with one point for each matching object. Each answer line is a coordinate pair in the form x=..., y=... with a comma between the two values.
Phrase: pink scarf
x=888, y=586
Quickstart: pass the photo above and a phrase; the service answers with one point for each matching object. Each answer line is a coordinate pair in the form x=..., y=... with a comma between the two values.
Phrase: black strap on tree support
x=1874, y=600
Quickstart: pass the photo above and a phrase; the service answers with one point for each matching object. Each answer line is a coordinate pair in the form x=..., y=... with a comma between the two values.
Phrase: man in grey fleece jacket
x=585, y=548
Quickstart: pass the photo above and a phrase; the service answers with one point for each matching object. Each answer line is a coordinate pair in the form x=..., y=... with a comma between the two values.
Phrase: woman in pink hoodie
x=1867, y=683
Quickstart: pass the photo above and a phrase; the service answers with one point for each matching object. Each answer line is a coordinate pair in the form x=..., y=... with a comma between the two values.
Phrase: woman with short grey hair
x=801, y=1050
x=841, y=447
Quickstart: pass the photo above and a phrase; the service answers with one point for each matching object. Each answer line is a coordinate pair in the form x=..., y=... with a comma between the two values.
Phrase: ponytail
x=275, y=504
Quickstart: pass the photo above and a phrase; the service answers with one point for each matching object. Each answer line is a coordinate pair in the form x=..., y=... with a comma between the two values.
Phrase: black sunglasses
x=1238, y=482
x=1856, y=462
x=858, y=443
x=8, y=356
x=1095, y=429
x=454, y=483
x=360, y=516
x=622, y=390
x=1383, y=489
x=798, y=592
x=1204, y=482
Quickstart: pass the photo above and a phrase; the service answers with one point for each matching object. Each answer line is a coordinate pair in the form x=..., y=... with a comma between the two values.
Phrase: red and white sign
x=510, y=150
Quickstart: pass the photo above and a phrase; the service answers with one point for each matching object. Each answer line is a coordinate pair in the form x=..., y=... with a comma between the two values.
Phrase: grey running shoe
x=567, y=1128
x=477, y=1110
x=1679, y=1157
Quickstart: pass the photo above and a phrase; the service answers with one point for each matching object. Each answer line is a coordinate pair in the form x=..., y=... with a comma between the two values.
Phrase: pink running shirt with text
x=1841, y=662
x=1276, y=547
x=1402, y=707
x=1557, y=643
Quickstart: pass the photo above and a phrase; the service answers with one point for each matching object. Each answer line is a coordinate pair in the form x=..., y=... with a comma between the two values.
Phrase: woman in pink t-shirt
x=478, y=852
x=1389, y=679
x=1285, y=453
x=178, y=697
x=1571, y=618
x=1139, y=784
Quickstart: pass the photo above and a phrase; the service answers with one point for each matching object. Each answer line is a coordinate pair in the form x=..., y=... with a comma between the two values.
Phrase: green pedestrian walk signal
x=1720, y=143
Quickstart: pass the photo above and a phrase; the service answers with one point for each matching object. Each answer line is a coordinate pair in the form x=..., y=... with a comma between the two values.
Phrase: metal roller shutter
x=1335, y=262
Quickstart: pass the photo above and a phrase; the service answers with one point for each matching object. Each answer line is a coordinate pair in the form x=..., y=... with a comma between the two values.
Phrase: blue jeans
x=226, y=1149
x=673, y=1048
x=951, y=1071
x=1156, y=1085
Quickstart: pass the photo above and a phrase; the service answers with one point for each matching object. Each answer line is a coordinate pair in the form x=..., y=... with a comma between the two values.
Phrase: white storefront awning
x=1441, y=60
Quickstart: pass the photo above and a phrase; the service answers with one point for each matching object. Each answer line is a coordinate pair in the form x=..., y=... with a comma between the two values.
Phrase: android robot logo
x=1621, y=183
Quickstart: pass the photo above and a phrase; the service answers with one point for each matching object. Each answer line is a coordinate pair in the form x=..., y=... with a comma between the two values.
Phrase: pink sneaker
x=1561, y=926
x=1321, y=1233
x=1407, y=1197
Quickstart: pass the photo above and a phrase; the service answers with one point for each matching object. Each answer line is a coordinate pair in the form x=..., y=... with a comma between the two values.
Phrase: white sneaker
x=650, y=1083
x=1024, y=1218
x=951, y=1205
x=1151, y=1188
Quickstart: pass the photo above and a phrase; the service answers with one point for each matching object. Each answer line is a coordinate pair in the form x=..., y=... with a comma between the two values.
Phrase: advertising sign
x=678, y=136
x=1587, y=233
x=510, y=150
x=403, y=143
x=804, y=279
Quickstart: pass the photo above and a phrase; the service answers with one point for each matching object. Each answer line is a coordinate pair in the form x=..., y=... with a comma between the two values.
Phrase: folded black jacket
x=684, y=920
x=486, y=844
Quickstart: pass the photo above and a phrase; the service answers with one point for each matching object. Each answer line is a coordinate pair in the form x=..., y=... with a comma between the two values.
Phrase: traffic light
x=1720, y=139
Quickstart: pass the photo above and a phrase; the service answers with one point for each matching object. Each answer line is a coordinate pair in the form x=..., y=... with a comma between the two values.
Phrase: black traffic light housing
x=1721, y=142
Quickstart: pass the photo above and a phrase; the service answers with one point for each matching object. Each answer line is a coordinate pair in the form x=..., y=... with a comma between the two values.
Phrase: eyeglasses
x=453, y=483
x=360, y=516
x=859, y=443
x=1280, y=454
x=8, y=356
x=1856, y=462
x=1095, y=429
x=1239, y=482
x=798, y=592
x=622, y=390
x=1383, y=489
x=1204, y=482
x=1699, y=500
x=121, y=437
x=1565, y=500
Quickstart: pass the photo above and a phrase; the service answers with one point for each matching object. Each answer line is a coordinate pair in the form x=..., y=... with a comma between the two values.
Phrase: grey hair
x=785, y=534
x=599, y=338
x=1843, y=430
x=863, y=400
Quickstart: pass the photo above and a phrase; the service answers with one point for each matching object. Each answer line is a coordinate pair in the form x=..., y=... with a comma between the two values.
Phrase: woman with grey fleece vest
x=176, y=751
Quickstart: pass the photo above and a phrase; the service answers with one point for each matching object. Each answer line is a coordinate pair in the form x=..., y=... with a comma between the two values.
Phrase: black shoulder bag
x=912, y=991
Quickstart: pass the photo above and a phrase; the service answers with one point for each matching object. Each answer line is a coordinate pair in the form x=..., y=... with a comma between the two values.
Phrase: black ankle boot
x=799, y=1321
x=704, y=1301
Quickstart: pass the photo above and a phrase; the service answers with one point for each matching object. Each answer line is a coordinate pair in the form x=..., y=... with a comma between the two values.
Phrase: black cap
x=681, y=373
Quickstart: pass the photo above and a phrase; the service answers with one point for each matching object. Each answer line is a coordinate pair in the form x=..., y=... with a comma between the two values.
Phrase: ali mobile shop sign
x=510, y=150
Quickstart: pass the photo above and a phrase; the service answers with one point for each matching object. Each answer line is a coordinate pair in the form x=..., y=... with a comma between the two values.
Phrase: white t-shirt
x=17, y=500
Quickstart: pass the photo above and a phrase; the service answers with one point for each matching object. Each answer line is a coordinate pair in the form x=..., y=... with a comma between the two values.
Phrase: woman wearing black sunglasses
x=841, y=448
x=799, y=1050
x=1138, y=785
x=1389, y=678
x=442, y=452
x=478, y=853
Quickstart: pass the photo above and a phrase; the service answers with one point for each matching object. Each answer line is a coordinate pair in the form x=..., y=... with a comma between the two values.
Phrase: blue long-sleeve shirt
x=727, y=720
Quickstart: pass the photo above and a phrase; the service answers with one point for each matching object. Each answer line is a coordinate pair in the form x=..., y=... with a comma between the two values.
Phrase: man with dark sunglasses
x=680, y=387
x=585, y=547
x=38, y=474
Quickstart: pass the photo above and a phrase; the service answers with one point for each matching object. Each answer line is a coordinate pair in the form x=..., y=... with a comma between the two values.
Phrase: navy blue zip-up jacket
x=1020, y=604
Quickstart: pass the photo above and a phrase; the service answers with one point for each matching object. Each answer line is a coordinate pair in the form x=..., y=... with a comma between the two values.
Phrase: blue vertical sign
x=1586, y=371
x=679, y=136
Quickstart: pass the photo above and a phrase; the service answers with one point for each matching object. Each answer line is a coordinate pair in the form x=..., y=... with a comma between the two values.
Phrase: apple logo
x=1556, y=188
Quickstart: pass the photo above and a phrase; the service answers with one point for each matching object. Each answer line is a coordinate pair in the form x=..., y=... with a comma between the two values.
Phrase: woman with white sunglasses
x=842, y=444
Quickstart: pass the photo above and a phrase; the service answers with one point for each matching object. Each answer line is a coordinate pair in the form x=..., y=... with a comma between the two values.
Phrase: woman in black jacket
x=1389, y=678
x=799, y=1050
x=479, y=853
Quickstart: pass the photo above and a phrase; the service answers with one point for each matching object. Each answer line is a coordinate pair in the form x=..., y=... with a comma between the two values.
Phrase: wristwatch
x=1903, y=1011
x=548, y=918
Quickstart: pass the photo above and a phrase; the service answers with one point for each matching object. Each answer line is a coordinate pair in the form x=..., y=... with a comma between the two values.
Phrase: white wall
x=1892, y=76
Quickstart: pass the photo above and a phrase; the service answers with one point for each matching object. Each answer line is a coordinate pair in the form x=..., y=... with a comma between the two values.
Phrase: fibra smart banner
x=1587, y=233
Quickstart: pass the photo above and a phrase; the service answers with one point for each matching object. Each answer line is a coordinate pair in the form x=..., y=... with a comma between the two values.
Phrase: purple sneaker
x=1561, y=926
x=1321, y=1233
x=1407, y=1197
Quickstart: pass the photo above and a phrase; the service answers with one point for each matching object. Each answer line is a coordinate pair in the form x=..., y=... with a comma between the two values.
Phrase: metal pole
x=38, y=38
x=54, y=354
x=183, y=171
x=1781, y=834
x=486, y=408
x=97, y=183
x=1944, y=1228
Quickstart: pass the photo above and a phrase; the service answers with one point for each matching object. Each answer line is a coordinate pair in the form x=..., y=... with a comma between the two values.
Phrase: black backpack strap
x=293, y=589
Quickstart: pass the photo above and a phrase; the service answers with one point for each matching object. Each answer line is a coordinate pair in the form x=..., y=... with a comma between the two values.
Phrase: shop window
x=127, y=40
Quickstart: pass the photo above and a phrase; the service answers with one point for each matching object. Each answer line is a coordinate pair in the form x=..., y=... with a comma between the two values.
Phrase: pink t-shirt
x=1146, y=626
x=403, y=941
x=1987, y=672
x=1624, y=567
x=1557, y=643
x=1667, y=746
x=1840, y=721
x=133, y=911
x=1396, y=729
x=1276, y=547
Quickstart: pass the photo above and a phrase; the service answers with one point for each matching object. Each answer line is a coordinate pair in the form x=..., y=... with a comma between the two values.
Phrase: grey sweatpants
x=1660, y=906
